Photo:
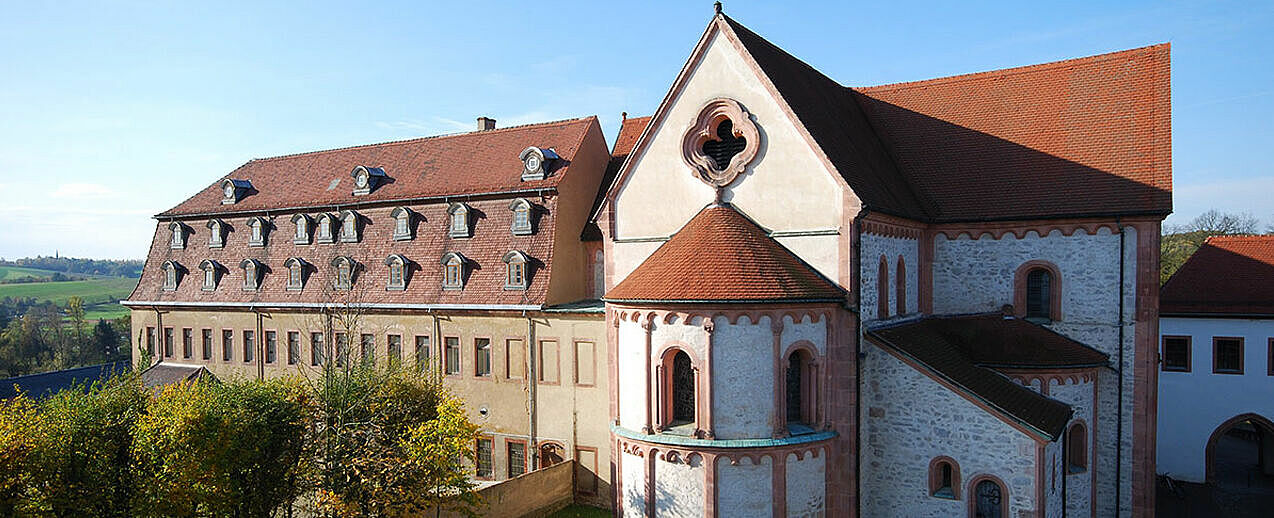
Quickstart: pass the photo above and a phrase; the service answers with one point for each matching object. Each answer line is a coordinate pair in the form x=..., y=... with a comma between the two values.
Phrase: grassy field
x=17, y=272
x=580, y=511
x=99, y=294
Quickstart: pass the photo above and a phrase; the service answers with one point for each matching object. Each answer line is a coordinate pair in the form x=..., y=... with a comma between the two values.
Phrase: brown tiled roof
x=450, y=165
x=964, y=350
x=1228, y=275
x=723, y=256
x=168, y=373
x=492, y=238
x=1082, y=137
x=629, y=130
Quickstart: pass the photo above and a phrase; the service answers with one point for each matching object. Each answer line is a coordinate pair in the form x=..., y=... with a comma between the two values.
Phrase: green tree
x=1178, y=243
x=435, y=474
x=105, y=341
x=20, y=430
x=75, y=312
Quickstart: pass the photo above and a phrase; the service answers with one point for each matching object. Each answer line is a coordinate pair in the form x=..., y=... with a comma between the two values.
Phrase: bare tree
x=1179, y=242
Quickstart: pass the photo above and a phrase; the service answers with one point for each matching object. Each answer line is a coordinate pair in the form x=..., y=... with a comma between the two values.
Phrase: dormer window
x=344, y=273
x=172, y=274
x=515, y=270
x=366, y=179
x=234, y=190
x=397, y=273
x=459, y=214
x=257, y=225
x=453, y=271
x=349, y=226
x=326, y=228
x=211, y=274
x=216, y=233
x=302, y=235
x=521, y=216
x=251, y=274
x=296, y=273
x=535, y=162
x=178, y=230
x=402, y=223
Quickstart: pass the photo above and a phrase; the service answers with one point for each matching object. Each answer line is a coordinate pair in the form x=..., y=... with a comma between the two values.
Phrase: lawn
x=581, y=511
x=17, y=272
x=95, y=291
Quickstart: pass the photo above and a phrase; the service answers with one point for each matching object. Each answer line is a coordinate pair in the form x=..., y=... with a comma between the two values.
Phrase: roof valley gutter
x=356, y=204
x=856, y=263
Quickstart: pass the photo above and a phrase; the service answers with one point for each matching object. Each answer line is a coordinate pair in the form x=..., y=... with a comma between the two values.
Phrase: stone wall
x=873, y=247
x=535, y=494
x=746, y=488
x=679, y=487
x=1079, y=486
x=633, y=484
x=909, y=419
x=743, y=378
x=806, y=485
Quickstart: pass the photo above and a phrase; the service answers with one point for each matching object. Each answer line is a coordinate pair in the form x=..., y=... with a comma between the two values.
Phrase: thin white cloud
x=1248, y=195
x=82, y=191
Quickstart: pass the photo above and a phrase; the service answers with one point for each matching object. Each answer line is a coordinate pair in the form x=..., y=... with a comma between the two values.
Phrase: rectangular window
x=1176, y=353
x=452, y=346
x=517, y=457
x=249, y=345
x=342, y=349
x=585, y=364
x=367, y=348
x=515, y=358
x=207, y=343
x=256, y=233
x=150, y=340
x=316, y=349
x=457, y=223
x=168, y=342
x=294, y=347
x=227, y=345
x=271, y=346
x=294, y=276
x=394, y=348
x=586, y=470
x=187, y=342
x=482, y=357
x=483, y=457
x=1227, y=355
x=422, y=352
x=250, y=277
x=400, y=227
x=548, y=361
x=452, y=279
x=395, y=275
x=301, y=232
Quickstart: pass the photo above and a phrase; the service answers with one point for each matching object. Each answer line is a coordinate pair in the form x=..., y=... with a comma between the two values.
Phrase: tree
x=1179, y=242
x=105, y=341
x=436, y=453
x=75, y=311
x=20, y=429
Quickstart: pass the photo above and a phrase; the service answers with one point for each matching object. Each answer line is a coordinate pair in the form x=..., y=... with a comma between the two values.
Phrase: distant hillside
x=72, y=266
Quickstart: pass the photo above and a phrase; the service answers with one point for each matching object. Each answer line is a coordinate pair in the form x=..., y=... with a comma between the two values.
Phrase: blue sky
x=112, y=112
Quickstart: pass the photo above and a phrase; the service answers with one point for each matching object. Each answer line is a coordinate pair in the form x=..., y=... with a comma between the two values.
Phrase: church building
x=775, y=296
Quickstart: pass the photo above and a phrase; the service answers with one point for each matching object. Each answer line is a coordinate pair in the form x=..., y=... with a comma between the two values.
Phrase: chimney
x=486, y=123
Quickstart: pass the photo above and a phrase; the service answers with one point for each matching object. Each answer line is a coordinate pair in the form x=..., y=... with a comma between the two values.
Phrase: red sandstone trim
x=1145, y=369
x=935, y=476
x=1054, y=288
x=1004, y=493
x=705, y=383
x=1210, y=450
x=1041, y=467
x=778, y=484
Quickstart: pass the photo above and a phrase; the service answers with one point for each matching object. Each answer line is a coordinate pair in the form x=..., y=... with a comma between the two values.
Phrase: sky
x=113, y=112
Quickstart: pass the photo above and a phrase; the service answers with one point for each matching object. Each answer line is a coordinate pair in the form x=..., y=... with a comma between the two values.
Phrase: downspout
x=1119, y=408
x=1066, y=469
x=159, y=335
x=260, y=345
x=531, y=378
x=856, y=275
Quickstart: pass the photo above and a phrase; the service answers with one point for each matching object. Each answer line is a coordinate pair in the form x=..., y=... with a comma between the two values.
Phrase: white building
x=936, y=298
x=1216, y=388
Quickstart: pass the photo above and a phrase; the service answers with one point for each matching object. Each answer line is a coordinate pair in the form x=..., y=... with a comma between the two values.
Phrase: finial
x=717, y=6
x=623, y=115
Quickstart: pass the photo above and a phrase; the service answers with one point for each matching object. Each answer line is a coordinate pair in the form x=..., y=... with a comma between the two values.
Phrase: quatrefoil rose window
x=721, y=142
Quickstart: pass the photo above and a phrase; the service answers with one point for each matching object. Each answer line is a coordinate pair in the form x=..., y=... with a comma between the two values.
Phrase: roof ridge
x=441, y=136
x=1241, y=237
x=1005, y=72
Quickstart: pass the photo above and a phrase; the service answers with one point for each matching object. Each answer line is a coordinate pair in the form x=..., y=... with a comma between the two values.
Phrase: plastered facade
x=746, y=485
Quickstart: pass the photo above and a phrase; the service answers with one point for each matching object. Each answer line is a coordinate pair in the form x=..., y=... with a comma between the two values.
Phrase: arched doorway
x=551, y=453
x=1240, y=454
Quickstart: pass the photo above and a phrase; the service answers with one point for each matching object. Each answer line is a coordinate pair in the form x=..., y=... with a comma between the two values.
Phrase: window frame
x=427, y=347
x=227, y=345
x=216, y=233
x=453, y=271
x=187, y=343
x=177, y=241
x=301, y=234
x=515, y=262
x=1216, y=354
x=172, y=275
x=972, y=493
x=169, y=336
x=343, y=280
x=1163, y=353
x=520, y=211
x=477, y=358
x=900, y=287
x=477, y=457
x=325, y=233
x=1055, y=289
x=256, y=231
x=511, y=371
x=349, y=231
x=397, y=265
x=882, y=288
x=447, y=347
x=270, y=344
x=665, y=394
x=509, y=443
x=318, y=346
x=296, y=273
x=935, y=478
x=810, y=402
x=403, y=230
x=458, y=224
x=294, y=346
x=393, y=349
x=249, y=339
x=205, y=336
x=252, y=270
x=576, y=363
x=211, y=274
x=1076, y=459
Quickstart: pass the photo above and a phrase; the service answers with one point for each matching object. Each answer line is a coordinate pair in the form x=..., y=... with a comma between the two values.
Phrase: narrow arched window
x=944, y=478
x=216, y=234
x=251, y=274
x=349, y=227
x=344, y=273
x=210, y=269
x=402, y=223
x=800, y=391
x=682, y=389
x=1039, y=291
x=325, y=230
x=179, y=235
x=515, y=270
x=397, y=272
x=459, y=222
x=453, y=271
x=900, y=281
x=257, y=228
x=302, y=236
x=296, y=273
x=1077, y=449
x=882, y=289
x=172, y=275
x=521, y=216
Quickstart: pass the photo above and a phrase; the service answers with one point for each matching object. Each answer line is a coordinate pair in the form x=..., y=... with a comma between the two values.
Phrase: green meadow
x=100, y=294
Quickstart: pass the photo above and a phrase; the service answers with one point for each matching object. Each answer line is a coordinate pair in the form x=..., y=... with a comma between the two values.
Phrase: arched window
x=397, y=272
x=178, y=229
x=302, y=235
x=515, y=269
x=402, y=223
x=989, y=499
x=801, y=389
x=296, y=273
x=216, y=233
x=257, y=226
x=1037, y=292
x=944, y=478
x=349, y=226
x=882, y=289
x=251, y=274
x=683, y=389
x=210, y=273
x=1077, y=448
x=900, y=282
x=326, y=228
x=453, y=271
x=344, y=273
x=459, y=222
x=172, y=274
x=521, y=216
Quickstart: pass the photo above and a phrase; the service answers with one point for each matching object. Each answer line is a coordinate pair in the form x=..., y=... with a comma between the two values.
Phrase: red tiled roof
x=1227, y=275
x=964, y=350
x=1082, y=137
x=723, y=256
x=629, y=130
x=467, y=163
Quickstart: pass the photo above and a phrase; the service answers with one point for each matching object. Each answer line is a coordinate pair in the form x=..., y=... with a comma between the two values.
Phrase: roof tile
x=1227, y=275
